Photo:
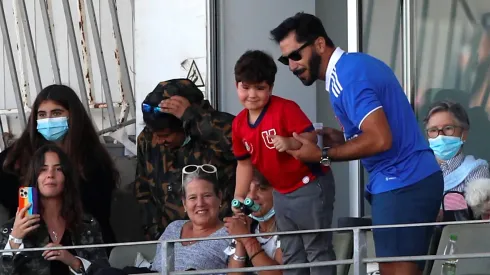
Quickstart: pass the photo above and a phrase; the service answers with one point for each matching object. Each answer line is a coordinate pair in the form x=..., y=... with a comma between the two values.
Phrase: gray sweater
x=200, y=256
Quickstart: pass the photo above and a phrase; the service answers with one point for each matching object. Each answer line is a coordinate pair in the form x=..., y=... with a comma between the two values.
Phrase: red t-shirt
x=280, y=117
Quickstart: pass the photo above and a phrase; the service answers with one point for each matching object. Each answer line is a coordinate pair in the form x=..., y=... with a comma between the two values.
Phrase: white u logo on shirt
x=266, y=136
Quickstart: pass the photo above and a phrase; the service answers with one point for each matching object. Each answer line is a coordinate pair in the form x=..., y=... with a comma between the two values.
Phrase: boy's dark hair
x=307, y=27
x=255, y=66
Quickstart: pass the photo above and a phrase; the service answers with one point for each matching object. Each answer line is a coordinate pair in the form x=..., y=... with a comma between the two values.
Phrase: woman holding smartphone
x=60, y=222
x=58, y=117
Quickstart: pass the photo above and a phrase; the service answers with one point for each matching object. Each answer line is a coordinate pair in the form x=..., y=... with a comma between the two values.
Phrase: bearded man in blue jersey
x=378, y=127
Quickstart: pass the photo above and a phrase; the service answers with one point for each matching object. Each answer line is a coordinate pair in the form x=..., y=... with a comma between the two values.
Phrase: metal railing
x=358, y=261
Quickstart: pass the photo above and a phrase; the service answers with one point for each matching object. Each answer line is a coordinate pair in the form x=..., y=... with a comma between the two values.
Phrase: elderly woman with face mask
x=259, y=251
x=447, y=127
x=202, y=201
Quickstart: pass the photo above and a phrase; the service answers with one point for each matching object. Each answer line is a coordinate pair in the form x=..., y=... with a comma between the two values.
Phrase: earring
x=220, y=206
x=185, y=210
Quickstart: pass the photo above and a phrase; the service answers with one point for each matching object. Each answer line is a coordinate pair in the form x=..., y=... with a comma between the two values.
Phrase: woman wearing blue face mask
x=260, y=251
x=447, y=126
x=59, y=117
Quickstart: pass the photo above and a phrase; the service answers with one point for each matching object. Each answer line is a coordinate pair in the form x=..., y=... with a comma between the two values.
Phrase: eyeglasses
x=146, y=108
x=447, y=130
x=192, y=170
x=295, y=55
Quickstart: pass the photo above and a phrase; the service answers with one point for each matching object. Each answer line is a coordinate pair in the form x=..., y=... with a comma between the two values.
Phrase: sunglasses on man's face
x=295, y=55
x=150, y=109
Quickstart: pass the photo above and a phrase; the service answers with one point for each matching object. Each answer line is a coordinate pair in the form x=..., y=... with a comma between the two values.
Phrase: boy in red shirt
x=262, y=135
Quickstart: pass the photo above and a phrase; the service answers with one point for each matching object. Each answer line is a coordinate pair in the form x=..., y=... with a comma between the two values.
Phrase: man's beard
x=314, y=65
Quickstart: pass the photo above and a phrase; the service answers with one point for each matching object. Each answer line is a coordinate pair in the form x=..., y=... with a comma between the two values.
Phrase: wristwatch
x=325, y=160
x=15, y=240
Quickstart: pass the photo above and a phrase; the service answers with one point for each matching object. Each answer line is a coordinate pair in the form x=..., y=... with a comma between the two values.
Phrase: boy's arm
x=244, y=174
x=296, y=121
x=244, y=169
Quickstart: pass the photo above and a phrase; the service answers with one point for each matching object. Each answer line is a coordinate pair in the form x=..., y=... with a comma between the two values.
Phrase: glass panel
x=381, y=38
x=452, y=54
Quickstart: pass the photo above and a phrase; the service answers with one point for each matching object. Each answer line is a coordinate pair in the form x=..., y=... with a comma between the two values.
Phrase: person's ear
x=464, y=135
x=220, y=197
x=320, y=45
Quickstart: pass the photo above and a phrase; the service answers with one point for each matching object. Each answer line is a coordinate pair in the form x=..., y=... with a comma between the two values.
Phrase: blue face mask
x=445, y=147
x=53, y=129
x=264, y=218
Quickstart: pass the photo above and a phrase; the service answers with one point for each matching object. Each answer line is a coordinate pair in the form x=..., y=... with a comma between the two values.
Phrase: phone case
x=28, y=195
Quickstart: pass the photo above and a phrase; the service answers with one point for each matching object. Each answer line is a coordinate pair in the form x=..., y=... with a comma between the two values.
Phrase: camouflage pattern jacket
x=32, y=263
x=158, y=172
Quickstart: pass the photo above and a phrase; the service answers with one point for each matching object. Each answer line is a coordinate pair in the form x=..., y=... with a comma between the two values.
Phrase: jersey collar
x=331, y=65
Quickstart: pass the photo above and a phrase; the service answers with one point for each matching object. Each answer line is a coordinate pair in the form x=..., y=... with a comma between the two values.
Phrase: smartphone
x=28, y=195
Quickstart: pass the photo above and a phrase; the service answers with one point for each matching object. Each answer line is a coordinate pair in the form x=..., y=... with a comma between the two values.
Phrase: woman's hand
x=23, y=223
x=238, y=225
x=62, y=255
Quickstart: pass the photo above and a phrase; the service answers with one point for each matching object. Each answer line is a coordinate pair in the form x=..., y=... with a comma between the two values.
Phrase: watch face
x=325, y=162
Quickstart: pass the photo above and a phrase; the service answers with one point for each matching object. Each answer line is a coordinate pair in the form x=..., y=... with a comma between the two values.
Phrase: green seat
x=472, y=238
x=342, y=245
x=370, y=249
x=123, y=256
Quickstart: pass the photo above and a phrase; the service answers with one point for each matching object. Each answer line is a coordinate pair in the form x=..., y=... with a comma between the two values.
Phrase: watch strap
x=325, y=152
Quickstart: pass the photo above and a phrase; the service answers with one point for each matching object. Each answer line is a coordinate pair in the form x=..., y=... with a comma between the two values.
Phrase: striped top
x=449, y=166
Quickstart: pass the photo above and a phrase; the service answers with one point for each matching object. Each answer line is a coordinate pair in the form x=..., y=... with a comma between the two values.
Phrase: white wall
x=334, y=18
x=65, y=58
x=167, y=34
x=246, y=25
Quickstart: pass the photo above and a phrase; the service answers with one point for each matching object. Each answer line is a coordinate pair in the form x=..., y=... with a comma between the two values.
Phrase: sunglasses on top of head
x=295, y=55
x=192, y=170
x=150, y=109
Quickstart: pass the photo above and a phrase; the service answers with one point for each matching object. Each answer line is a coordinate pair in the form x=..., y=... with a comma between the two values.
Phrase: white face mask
x=264, y=218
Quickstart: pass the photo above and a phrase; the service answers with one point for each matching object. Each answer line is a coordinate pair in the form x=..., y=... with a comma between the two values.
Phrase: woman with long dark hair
x=60, y=222
x=59, y=117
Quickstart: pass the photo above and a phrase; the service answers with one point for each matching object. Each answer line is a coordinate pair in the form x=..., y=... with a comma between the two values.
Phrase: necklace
x=188, y=243
x=54, y=236
x=270, y=229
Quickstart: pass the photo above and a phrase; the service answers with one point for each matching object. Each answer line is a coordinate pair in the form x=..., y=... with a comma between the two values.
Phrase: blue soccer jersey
x=360, y=84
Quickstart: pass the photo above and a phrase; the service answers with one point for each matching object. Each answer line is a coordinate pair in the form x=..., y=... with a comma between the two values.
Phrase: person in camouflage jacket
x=33, y=263
x=182, y=128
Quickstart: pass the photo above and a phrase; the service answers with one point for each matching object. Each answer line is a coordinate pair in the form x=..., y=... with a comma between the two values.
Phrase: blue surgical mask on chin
x=53, y=129
x=445, y=147
x=264, y=218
